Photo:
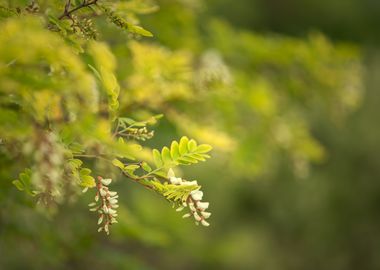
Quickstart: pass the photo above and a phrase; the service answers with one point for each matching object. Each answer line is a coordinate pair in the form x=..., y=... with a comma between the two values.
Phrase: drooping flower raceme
x=106, y=203
x=194, y=201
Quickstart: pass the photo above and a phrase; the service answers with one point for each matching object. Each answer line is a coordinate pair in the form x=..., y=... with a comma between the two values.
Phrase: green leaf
x=160, y=173
x=183, y=145
x=126, y=120
x=165, y=153
x=87, y=181
x=146, y=167
x=192, y=145
x=188, y=160
x=18, y=184
x=95, y=71
x=174, y=193
x=75, y=163
x=76, y=148
x=110, y=83
x=204, y=148
x=24, y=182
x=118, y=164
x=132, y=167
x=84, y=171
x=174, y=150
x=185, y=152
x=199, y=157
x=153, y=119
x=139, y=30
x=157, y=158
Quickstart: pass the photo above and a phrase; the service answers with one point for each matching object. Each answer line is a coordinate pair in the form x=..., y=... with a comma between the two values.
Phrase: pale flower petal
x=197, y=217
x=197, y=195
x=171, y=173
x=206, y=214
x=205, y=223
x=203, y=205
x=106, y=182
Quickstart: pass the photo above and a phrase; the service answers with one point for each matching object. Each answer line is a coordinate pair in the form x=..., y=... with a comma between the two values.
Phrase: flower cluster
x=47, y=175
x=193, y=201
x=142, y=134
x=105, y=204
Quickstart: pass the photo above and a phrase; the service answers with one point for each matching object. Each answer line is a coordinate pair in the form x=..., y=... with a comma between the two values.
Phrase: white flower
x=205, y=223
x=192, y=207
x=179, y=209
x=106, y=182
x=103, y=192
x=202, y=205
x=171, y=173
x=175, y=180
x=197, y=195
x=197, y=217
x=186, y=215
x=113, y=201
x=100, y=219
x=113, y=220
x=206, y=214
x=190, y=183
x=111, y=211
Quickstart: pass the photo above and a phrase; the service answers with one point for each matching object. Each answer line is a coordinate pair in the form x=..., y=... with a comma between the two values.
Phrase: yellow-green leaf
x=204, y=148
x=88, y=181
x=192, y=145
x=166, y=155
x=183, y=145
x=118, y=163
x=146, y=167
x=174, y=150
x=157, y=158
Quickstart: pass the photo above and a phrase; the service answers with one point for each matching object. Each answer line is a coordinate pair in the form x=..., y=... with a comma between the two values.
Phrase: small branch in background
x=67, y=12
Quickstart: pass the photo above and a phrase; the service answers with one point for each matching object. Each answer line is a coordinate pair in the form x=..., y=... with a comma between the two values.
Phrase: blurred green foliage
x=292, y=182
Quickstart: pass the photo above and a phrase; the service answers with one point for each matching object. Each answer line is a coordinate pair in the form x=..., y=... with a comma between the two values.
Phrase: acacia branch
x=137, y=179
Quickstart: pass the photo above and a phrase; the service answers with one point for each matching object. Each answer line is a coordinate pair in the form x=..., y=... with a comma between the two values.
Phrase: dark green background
x=329, y=220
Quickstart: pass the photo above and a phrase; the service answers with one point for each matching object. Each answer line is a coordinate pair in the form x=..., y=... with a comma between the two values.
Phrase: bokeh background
x=287, y=92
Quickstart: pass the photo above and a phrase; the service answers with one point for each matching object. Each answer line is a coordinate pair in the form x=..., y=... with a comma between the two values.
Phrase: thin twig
x=137, y=179
x=67, y=12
